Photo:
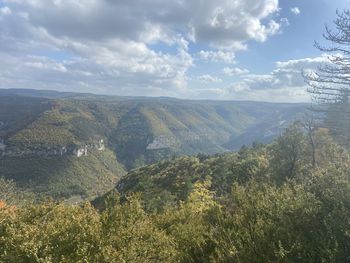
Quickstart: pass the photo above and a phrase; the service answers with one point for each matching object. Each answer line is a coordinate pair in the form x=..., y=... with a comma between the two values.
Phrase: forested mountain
x=289, y=157
x=68, y=144
x=269, y=203
x=280, y=202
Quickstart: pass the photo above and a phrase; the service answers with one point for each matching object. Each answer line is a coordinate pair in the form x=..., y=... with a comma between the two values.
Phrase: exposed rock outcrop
x=162, y=142
x=69, y=150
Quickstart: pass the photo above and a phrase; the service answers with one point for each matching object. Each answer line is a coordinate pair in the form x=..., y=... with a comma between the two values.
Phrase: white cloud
x=234, y=71
x=217, y=56
x=284, y=22
x=215, y=22
x=209, y=79
x=5, y=10
x=115, y=65
x=284, y=83
x=295, y=10
x=105, y=71
x=286, y=74
x=108, y=46
x=223, y=23
x=303, y=63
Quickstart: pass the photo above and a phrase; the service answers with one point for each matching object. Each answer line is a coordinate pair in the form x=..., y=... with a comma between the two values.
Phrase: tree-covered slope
x=18, y=112
x=58, y=148
x=287, y=158
x=156, y=129
x=79, y=133
x=268, y=203
x=65, y=177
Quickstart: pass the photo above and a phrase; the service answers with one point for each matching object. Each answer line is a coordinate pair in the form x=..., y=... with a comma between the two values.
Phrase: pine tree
x=329, y=85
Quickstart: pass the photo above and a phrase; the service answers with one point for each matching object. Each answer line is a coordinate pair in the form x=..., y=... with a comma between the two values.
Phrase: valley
x=70, y=131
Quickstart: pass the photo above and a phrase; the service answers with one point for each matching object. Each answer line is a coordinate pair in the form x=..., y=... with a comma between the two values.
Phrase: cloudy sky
x=197, y=49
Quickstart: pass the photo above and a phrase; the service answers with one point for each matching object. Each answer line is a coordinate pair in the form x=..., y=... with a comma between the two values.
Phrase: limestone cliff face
x=162, y=142
x=71, y=150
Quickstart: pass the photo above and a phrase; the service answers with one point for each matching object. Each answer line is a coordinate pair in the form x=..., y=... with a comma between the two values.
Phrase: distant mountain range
x=69, y=144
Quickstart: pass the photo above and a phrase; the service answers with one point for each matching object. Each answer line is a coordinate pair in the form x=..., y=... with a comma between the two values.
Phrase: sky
x=191, y=49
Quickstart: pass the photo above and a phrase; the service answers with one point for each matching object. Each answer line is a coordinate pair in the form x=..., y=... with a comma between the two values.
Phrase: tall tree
x=329, y=85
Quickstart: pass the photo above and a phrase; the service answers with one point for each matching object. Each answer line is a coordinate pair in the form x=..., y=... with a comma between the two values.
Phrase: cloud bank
x=284, y=84
x=134, y=47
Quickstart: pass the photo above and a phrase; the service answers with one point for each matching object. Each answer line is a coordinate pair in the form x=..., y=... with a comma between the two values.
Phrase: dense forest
x=283, y=202
x=76, y=146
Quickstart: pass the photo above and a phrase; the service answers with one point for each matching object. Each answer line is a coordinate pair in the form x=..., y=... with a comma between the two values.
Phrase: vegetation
x=67, y=122
x=12, y=195
x=42, y=132
x=129, y=126
x=287, y=158
x=65, y=177
x=18, y=112
x=262, y=204
x=329, y=85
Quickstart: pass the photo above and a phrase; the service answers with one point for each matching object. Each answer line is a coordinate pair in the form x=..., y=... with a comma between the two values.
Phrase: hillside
x=278, y=202
x=75, y=130
x=56, y=148
x=64, y=177
x=170, y=182
x=267, y=203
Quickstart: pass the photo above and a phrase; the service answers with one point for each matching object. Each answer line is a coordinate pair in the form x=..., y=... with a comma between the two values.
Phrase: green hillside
x=41, y=148
x=157, y=129
x=170, y=182
x=268, y=203
x=281, y=202
x=18, y=112
x=65, y=177
x=78, y=134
